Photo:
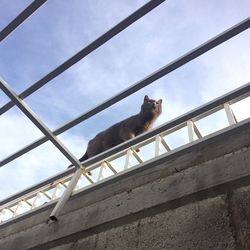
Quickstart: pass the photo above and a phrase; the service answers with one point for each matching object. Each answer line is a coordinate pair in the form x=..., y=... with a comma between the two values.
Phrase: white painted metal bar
x=11, y=210
x=28, y=203
x=56, y=190
x=88, y=177
x=197, y=131
x=46, y=195
x=35, y=199
x=17, y=206
x=33, y=193
x=100, y=175
x=39, y=124
x=157, y=145
x=111, y=167
x=57, y=209
x=191, y=133
x=164, y=143
x=44, y=129
x=68, y=191
x=230, y=115
x=137, y=156
x=128, y=156
x=62, y=183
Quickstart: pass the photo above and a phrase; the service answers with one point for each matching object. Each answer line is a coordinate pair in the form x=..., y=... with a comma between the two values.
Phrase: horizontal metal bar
x=21, y=18
x=38, y=123
x=236, y=94
x=87, y=50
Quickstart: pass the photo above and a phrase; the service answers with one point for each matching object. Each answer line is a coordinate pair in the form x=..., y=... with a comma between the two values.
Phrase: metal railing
x=21, y=18
x=77, y=178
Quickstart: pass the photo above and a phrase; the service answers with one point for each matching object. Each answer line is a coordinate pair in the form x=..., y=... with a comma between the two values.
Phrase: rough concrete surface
x=240, y=208
x=201, y=225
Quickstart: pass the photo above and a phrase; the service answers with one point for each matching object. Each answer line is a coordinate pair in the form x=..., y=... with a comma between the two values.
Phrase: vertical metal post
x=190, y=128
x=230, y=115
x=102, y=167
x=157, y=145
x=127, y=161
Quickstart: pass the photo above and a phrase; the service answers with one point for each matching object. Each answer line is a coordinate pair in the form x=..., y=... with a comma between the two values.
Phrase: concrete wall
x=197, y=197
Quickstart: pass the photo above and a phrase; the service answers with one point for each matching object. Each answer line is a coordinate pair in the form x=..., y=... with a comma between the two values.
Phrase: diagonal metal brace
x=46, y=131
x=39, y=124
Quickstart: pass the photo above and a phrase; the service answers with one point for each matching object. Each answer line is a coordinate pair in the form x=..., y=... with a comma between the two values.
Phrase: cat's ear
x=146, y=98
x=160, y=101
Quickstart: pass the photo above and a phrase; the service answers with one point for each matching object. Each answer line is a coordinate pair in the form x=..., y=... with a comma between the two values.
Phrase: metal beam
x=87, y=50
x=21, y=18
x=230, y=114
x=60, y=204
x=39, y=124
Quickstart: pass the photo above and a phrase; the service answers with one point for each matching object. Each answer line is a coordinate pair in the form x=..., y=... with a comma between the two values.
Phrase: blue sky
x=61, y=28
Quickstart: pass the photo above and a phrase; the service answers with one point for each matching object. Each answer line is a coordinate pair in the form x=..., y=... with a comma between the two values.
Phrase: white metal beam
x=230, y=115
x=39, y=124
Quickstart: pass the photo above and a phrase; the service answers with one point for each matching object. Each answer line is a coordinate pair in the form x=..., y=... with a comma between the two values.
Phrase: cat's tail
x=84, y=157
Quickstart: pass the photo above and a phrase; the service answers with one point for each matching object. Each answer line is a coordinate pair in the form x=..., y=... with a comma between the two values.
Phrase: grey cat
x=126, y=129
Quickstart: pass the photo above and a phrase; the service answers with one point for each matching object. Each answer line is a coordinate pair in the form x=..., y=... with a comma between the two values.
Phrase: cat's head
x=152, y=106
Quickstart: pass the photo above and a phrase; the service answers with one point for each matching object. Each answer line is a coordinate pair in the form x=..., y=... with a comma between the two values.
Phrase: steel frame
x=69, y=179
x=21, y=18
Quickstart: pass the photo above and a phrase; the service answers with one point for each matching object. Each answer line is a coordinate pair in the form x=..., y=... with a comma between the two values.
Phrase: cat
x=125, y=130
